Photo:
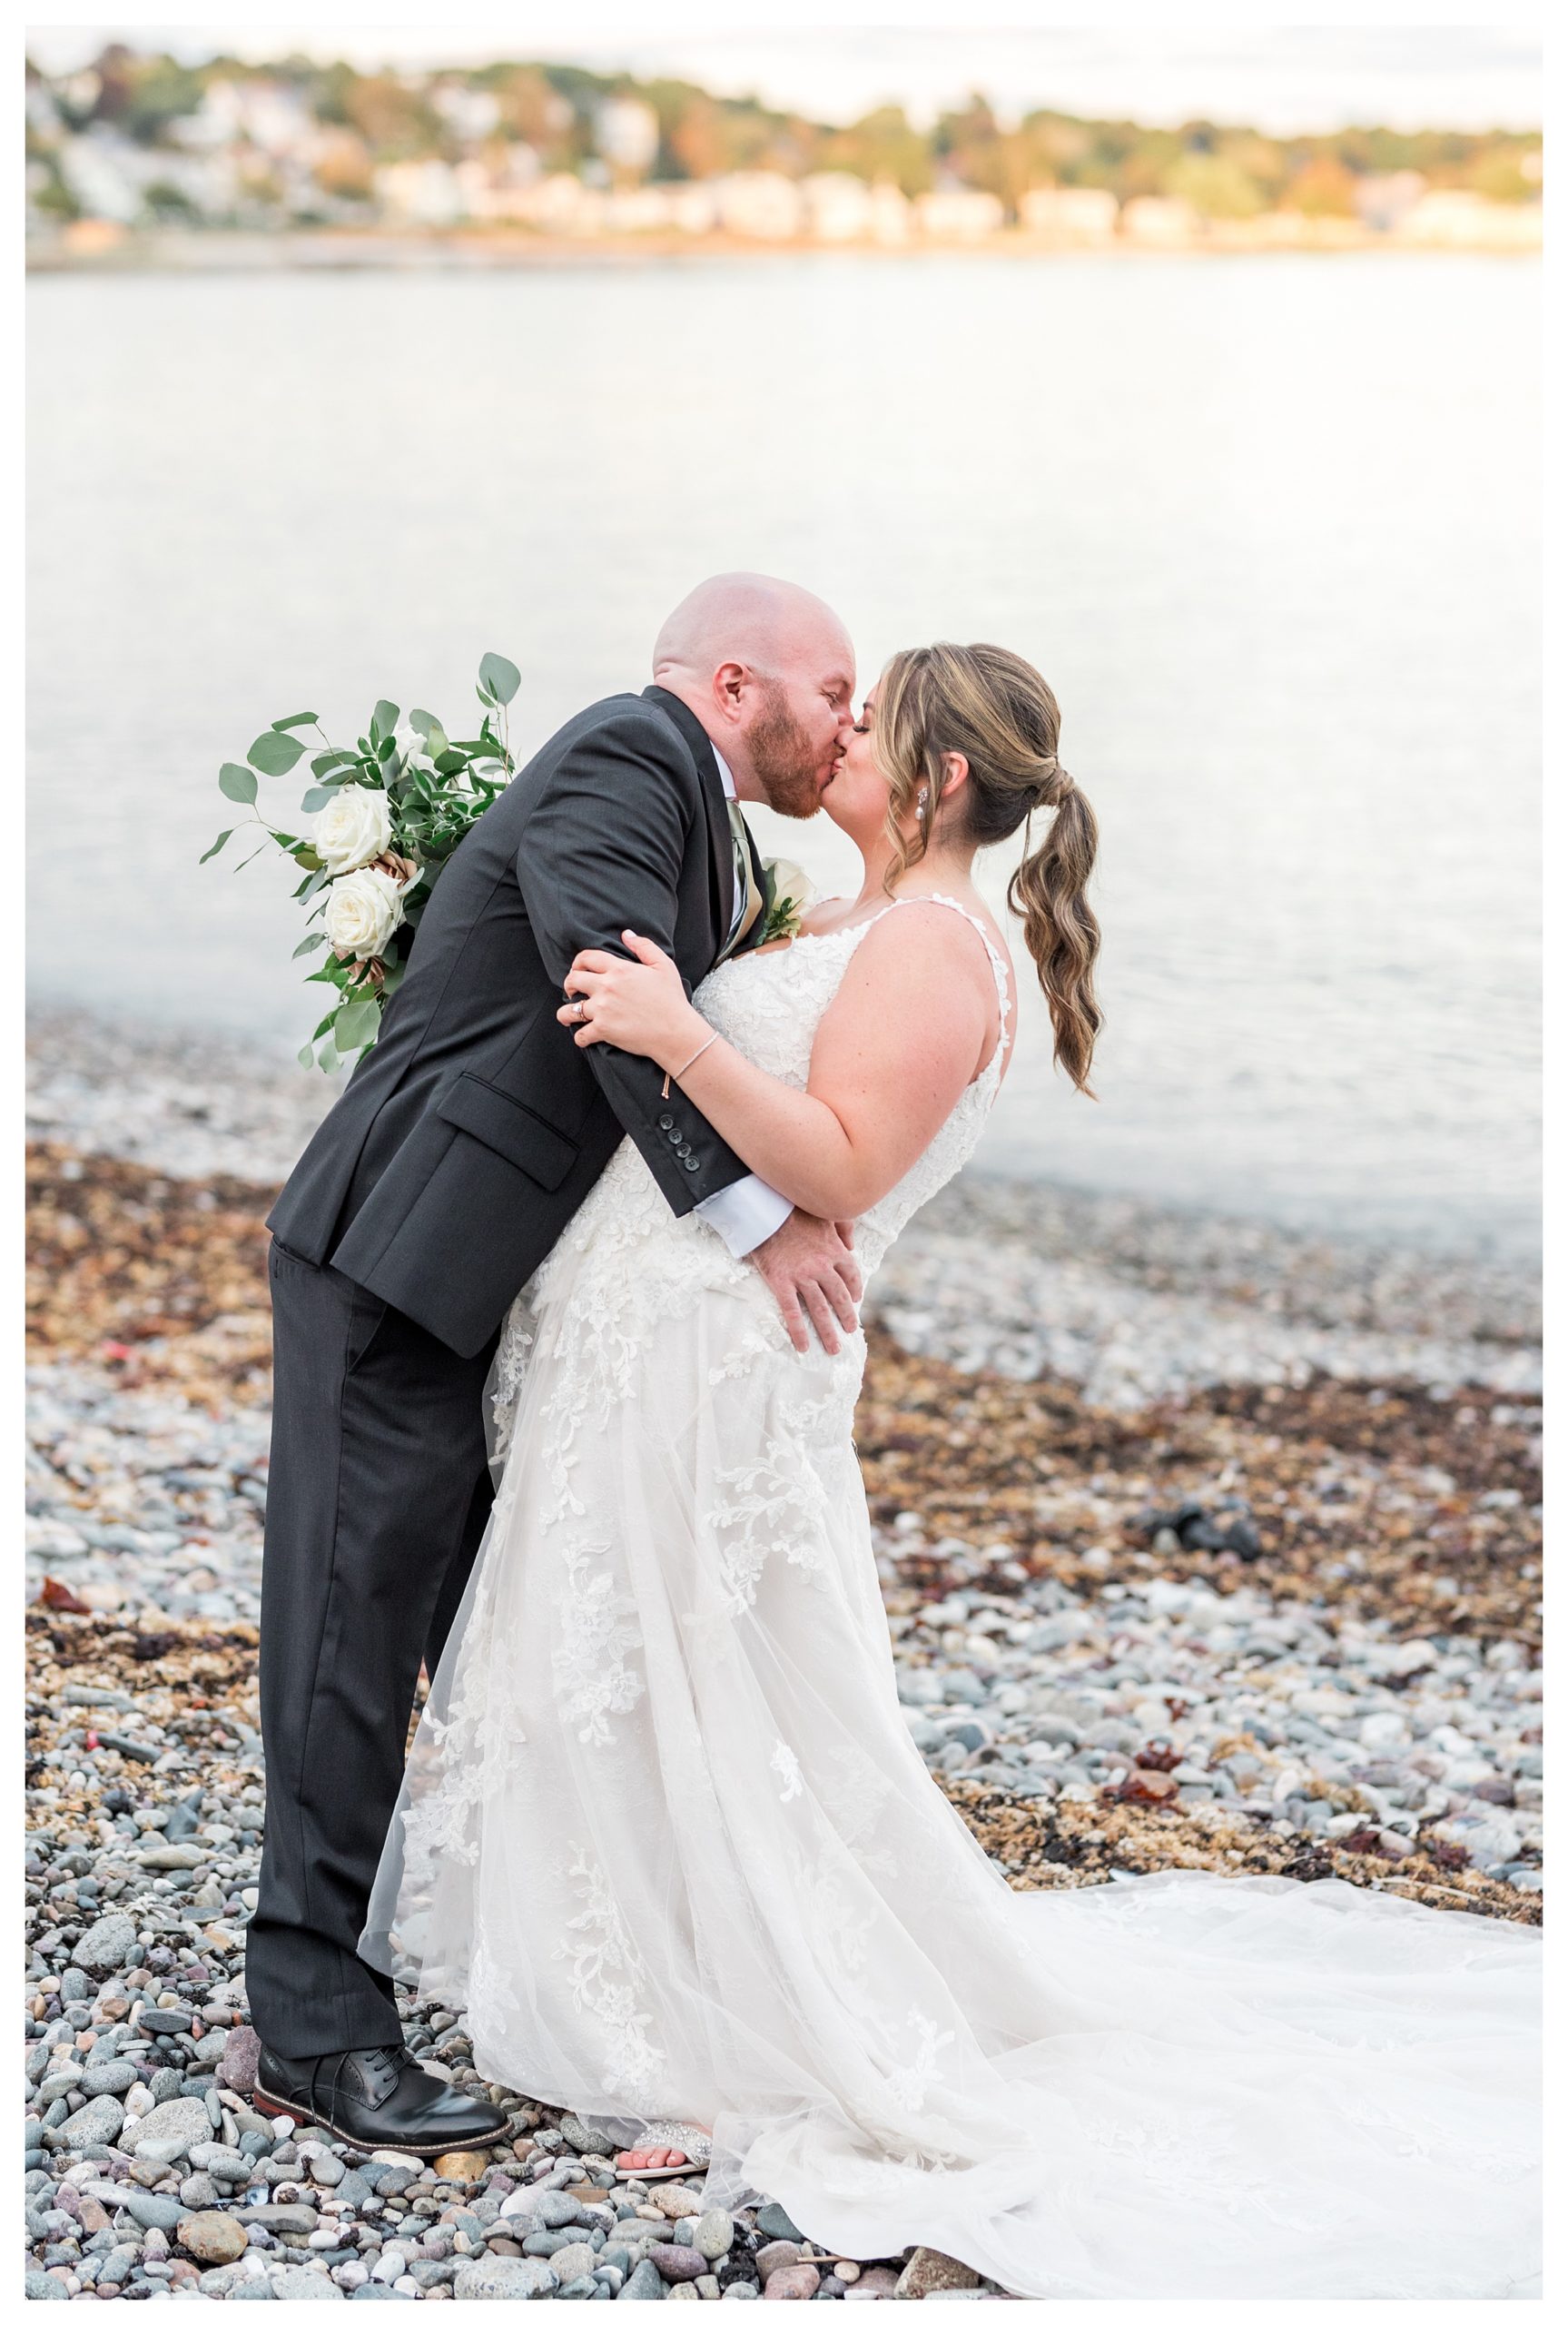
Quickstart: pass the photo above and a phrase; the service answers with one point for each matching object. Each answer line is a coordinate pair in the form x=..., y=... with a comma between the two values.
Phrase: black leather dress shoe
x=376, y=2099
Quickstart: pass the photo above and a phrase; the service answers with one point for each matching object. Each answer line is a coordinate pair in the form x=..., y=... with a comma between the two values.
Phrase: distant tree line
x=558, y=111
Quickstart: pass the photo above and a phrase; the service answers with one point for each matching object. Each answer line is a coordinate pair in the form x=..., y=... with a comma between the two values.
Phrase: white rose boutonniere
x=364, y=908
x=788, y=896
x=354, y=828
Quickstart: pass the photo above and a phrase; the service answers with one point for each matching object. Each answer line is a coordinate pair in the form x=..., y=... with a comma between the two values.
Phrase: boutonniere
x=787, y=895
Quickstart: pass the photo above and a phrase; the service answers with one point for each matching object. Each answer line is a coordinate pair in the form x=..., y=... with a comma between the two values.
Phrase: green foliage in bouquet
x=387, y=815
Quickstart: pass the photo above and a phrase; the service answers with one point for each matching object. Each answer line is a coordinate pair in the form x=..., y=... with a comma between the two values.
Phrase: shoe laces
x=388, y=2055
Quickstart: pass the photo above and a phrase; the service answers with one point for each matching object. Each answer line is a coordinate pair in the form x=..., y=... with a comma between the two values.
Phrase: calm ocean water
x=1269, y=527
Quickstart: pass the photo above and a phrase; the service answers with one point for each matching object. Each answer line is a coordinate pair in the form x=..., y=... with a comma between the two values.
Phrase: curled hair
x=996, y=709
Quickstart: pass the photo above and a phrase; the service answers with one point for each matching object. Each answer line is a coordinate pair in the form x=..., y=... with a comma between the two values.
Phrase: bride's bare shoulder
x=827, y=913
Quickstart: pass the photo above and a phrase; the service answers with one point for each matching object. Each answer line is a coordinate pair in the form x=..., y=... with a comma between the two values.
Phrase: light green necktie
x=745, y=879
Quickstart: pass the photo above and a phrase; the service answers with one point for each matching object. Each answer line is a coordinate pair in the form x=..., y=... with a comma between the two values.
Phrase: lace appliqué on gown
x=666, y=1837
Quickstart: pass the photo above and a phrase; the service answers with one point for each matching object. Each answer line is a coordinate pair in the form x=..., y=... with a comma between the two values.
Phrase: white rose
x=363, y=909
x=354, y=828
x=790, y=881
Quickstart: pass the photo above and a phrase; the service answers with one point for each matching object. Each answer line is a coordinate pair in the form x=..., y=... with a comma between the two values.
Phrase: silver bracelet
x=688, y=1065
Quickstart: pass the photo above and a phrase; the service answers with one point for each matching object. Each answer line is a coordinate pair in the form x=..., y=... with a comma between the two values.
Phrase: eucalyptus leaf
x=308, y=861
x=356, y=1023
x=450, y=762
x=237, y=783
x=275, y=754
x=313, y=944
x=499, y=677
x=315, y=799
x=307, y=1054
x=221, y=841
x=325, y=761
x=300, y=719
x=383, y=718
x=429, y=730
x=317, y=881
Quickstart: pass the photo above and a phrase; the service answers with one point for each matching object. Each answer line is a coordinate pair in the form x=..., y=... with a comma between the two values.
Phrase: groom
x=445, y=1172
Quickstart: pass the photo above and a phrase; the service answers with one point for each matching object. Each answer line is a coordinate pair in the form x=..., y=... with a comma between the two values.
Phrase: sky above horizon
x=1282, y=79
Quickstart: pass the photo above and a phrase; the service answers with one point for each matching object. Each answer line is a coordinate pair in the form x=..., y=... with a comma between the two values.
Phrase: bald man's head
x=769, y=670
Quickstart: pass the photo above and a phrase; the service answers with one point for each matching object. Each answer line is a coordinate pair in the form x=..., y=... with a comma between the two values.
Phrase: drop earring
x=919, y=804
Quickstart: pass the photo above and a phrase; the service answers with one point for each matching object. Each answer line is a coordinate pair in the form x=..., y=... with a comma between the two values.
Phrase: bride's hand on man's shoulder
x=638, y=1005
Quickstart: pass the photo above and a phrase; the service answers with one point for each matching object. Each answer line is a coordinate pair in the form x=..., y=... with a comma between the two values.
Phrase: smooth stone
x=773, y=2220
x=675, y=2200
x=237, y=2067
x=212, y=2155
x=713, y=2234
x=162, y=2152
x=740, y=2289
x=177, y=2125
x=644, y=2284
x=927, y=2270
x=465, y=2165
x=305, y=2284
x=214, y=2237
x=874, y=2284
x=551, y=2209
x=575, y=2260
x=97, y=2124
x=678, y=2263
x=112, y=2079
x=584, y=2139
x=499, y=2277
x=288, y=2220
x=797, y=2282
x=39, y=2285
x=152, y=2212
x=106, y=1944
x=782, y=2254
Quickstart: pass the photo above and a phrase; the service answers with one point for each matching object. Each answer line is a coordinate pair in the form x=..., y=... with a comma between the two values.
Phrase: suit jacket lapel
x=721, y=851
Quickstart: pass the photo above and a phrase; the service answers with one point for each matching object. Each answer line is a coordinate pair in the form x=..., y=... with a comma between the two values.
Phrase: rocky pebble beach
x=1201, y=1544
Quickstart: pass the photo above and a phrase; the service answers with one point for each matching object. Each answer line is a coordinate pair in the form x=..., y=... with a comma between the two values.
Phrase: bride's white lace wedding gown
x=665, y=1840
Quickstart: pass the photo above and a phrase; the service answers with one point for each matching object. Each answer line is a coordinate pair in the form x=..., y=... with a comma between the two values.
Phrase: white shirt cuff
x=746, y=1214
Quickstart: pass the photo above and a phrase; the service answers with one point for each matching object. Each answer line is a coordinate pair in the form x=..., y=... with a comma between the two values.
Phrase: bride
x=664, y=1836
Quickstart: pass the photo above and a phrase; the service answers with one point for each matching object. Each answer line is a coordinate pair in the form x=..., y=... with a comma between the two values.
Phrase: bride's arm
x=902, y=1037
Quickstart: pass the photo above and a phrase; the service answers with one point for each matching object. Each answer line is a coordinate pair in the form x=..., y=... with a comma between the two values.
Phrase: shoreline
x=237, y=251
x=1280, y=1626
x=1131, y=1300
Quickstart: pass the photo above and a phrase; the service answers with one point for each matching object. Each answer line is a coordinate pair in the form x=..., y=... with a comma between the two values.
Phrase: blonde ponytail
x=995, y=708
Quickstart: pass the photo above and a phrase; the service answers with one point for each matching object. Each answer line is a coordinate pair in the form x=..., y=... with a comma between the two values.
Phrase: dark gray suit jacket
x=465, y=1139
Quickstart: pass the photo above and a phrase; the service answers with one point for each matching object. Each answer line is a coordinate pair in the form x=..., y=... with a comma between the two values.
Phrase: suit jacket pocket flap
x=508, y=1129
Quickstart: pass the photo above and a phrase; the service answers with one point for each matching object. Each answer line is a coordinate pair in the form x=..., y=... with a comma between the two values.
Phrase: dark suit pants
x=375, y=1504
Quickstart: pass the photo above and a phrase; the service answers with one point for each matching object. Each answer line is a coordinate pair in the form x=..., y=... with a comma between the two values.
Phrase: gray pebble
x=644, y=2284
x=501, y=2277
x=152, y=2212
x=106, y=1944
x=97, y=2124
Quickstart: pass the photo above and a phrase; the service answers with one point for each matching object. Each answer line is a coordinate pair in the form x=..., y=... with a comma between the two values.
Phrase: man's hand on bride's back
x=810, y=1269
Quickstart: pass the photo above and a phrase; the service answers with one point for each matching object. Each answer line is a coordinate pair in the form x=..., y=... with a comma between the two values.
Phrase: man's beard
x=783, y=758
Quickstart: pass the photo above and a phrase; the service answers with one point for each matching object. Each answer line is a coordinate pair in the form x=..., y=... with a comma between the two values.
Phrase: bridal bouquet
x=383, y=819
